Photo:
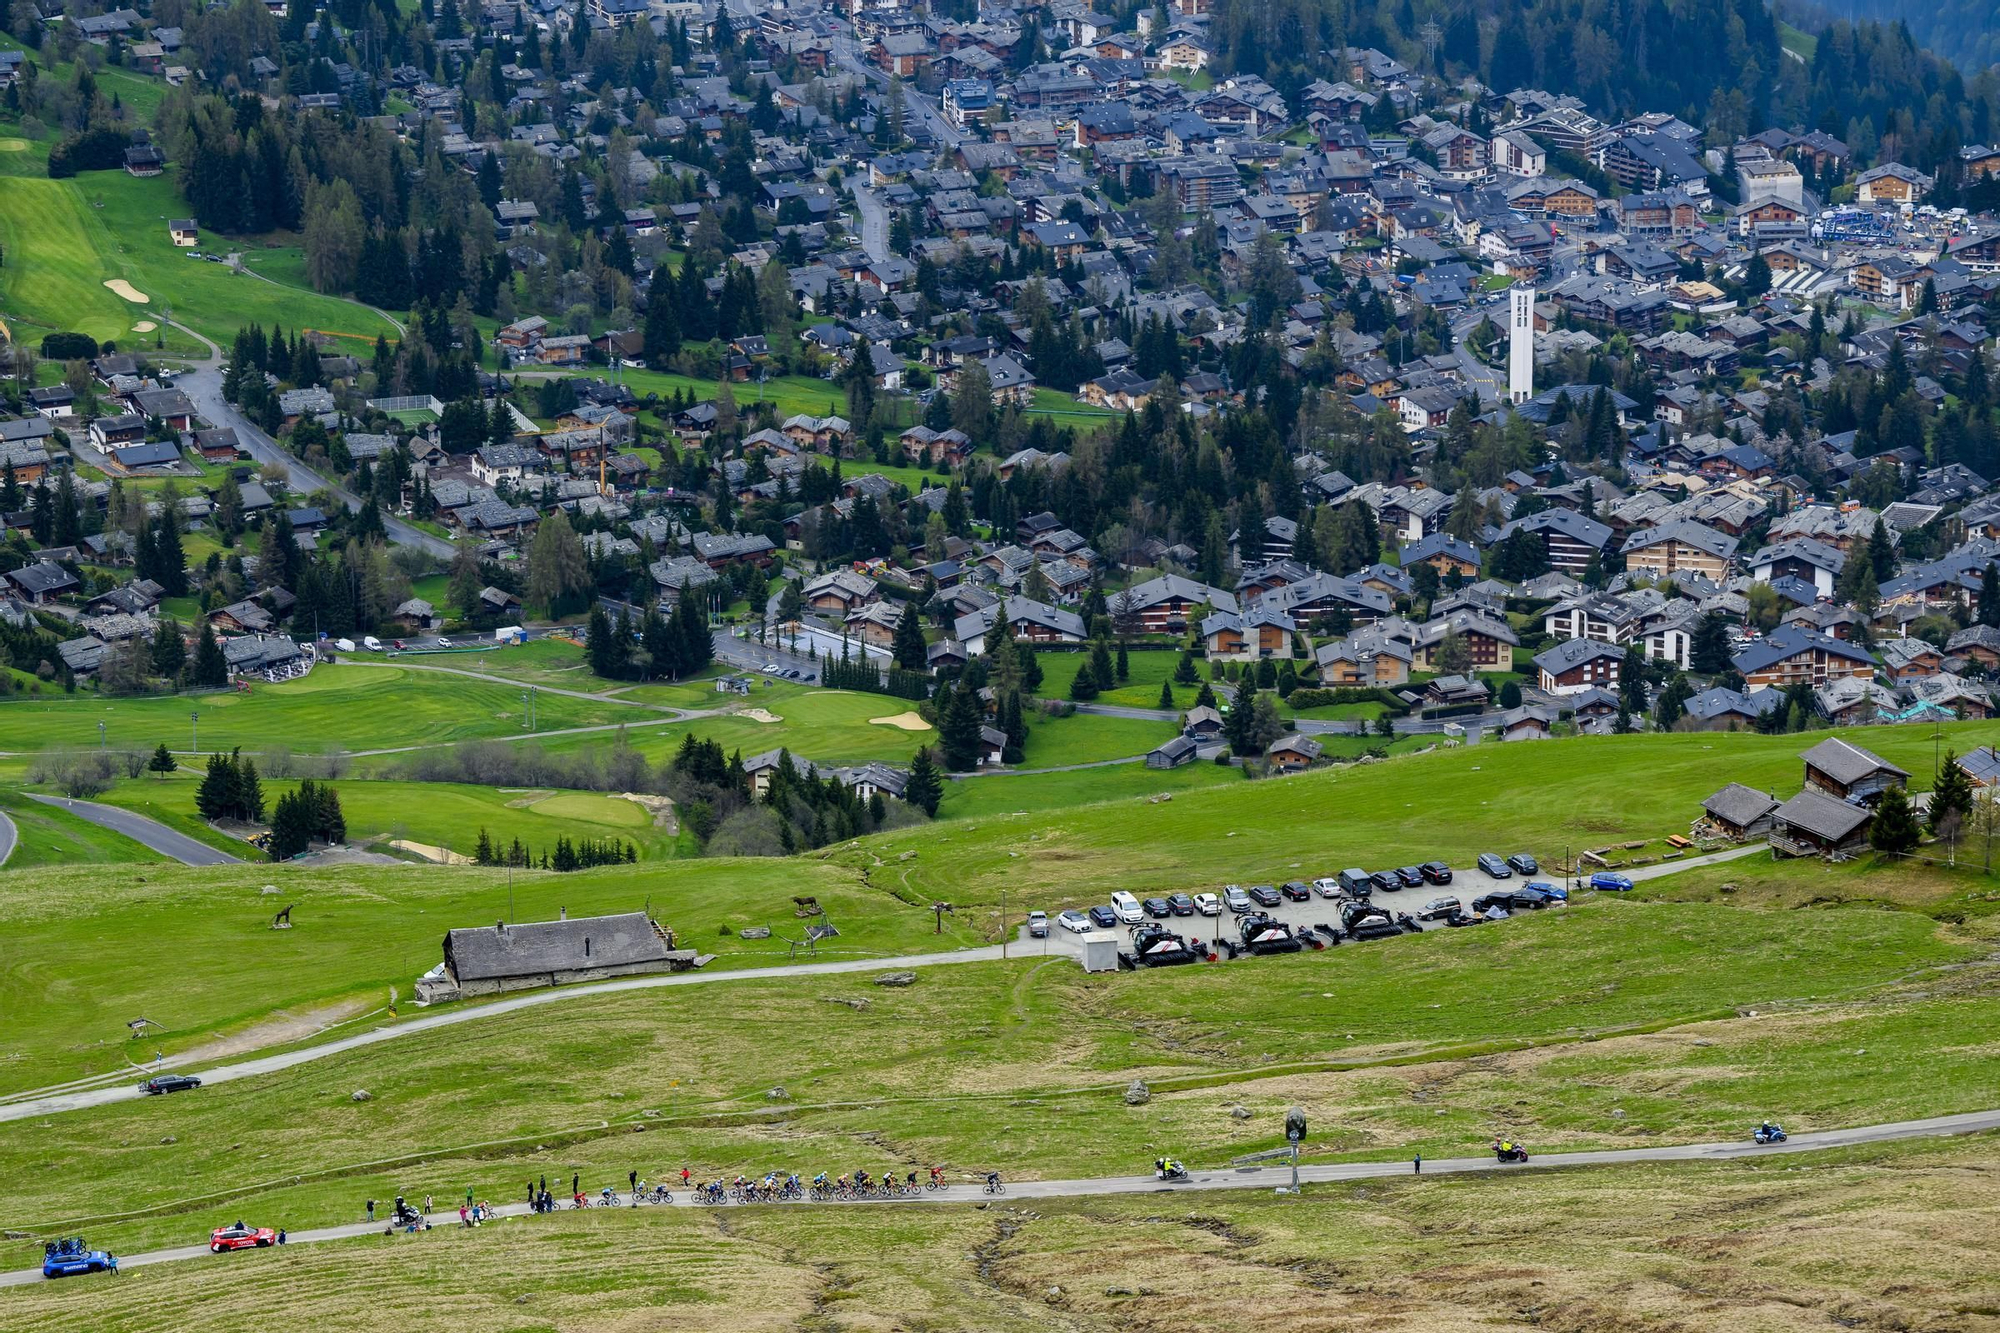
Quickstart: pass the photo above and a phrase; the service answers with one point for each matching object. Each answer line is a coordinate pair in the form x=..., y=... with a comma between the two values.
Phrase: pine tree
x=958, y=730
x=1167, y=695
x=212, y=797
x=1951, y=798
x=1083, y=686
x=162, y=761
x=1031, y=667
x=1894, y=828
x=908, y=648
x=926, y=786
x=211, y=668
x=482, y=851
x=1240, y=726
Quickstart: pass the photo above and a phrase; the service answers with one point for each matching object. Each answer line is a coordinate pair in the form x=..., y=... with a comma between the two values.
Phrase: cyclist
x=819, y=1181
x=937, y=1175
x=910, y=1181
x=607, y=1197
x=861, y=1180
x=992, y=1179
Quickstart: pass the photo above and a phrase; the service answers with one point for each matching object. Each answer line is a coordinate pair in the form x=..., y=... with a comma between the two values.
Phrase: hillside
x=1961, y=31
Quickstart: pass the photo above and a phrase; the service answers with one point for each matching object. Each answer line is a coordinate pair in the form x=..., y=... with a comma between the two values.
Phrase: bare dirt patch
x=535, y=796
x=120, y=287
x=911, y=721
x=759, y=715
x=660, y=807
x=280, y=1029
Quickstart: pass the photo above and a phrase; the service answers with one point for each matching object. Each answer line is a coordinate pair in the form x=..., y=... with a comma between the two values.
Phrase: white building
x=1520, y=343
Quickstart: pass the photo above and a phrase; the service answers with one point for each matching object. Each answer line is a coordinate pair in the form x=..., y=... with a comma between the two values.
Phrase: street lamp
x=194, y=725
x=100, y=735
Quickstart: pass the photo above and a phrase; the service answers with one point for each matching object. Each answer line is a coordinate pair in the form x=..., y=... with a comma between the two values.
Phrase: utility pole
x=100, y=735
x=194, y=724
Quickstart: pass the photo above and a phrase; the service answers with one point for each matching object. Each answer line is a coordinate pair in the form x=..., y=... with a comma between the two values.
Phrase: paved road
x=203, y=386
x=147, y=832
x=874, y=223
x=7, y=839
x=1245, y=1178
x=1405, y=726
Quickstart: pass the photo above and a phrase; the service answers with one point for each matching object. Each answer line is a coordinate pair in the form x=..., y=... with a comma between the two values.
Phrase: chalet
x=1172, y=753
x=1530, y=722
x=1847, y=772
x=1261, y=632
x=1489, y=642
x=217, y=445
x=1891, y=183
x=1570, y=540
x=1791, y=655
x=1368, y=659
x=144, y=160
x=1680, y=547
x=488, y=960
x=1446, y=554
x=1738, y=813
x=1292, y=754
x=110, y=432
x=41, y=583
x=1805, y=559
x=243, y=618
x=183, y=232
x=1815, y=824
x=1909, y=659
x=1979, y=644
x=839, y=592
x=1018, y=618
x=1579, y=665
x=1164, y=605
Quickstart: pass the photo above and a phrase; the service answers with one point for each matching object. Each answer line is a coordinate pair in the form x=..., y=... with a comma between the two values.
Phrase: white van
x=345, y=645
x=1126, y=908
x=372, y=644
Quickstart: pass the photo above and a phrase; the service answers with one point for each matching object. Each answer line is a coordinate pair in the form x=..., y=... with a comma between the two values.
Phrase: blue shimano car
x=1606, y=882
x=69, y=1258
x=1554, y=892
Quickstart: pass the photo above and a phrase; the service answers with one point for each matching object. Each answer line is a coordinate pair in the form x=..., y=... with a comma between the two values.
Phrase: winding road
x=147, y=832
x=1240, y=1178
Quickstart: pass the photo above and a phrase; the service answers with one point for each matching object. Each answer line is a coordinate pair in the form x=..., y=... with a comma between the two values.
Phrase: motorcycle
x=1510, y=1152
x=1769, y=1134
x=1171, y=1172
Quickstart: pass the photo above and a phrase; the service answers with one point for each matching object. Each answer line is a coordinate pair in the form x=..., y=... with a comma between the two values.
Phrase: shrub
x=68, y=347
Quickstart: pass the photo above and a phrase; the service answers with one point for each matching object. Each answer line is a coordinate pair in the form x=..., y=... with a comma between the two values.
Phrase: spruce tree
x=908, y=648
x=1167, y=695
x=958, y=730
x=1951, y=797
x=926, y=787
x=211, y=668
x=1894, y=828
x=162, y=760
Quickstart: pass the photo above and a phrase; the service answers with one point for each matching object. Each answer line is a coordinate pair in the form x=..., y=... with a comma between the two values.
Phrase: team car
x=170, y=1083
x=70, y=1257
x=237, y=1236
x=1606, y=882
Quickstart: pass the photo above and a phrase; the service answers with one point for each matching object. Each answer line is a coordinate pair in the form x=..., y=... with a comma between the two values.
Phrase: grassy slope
x=1014, y=1065
x=1451, y=804
x=1887, y=1237
x=50, y=837
x=68, y=983
x=355, y=708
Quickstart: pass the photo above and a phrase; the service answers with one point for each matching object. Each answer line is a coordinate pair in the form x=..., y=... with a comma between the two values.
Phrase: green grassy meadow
x=1447, y=803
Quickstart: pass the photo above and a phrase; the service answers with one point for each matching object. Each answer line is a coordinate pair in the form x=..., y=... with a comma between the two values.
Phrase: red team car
x=239, y=1237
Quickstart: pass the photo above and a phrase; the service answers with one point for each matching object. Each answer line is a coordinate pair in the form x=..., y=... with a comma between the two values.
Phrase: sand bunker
x=661, y=809
x=903, y=722
x=144, y=326
x=120, y=287
x=13, y=145
x=430, y=853
x=759, y=715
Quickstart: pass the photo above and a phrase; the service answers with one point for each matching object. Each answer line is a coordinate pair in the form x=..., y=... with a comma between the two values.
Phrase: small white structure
x=1100, y=951
x=1520, y=344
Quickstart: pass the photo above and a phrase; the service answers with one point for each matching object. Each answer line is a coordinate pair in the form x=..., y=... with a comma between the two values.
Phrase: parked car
x=1435, y=872
x=1073, y=921
x=170, y=1083
x=1180, y=904
x=1236, y=900
x=1126, y=908
x=1208, y=904
x=1157, y=908
x=68, y=1258
x=1556, y=893
x=1439, y=909
x=1296, y=891
x=1355, y=883
x=1412, y=877
x=1264, y=895
x=1038, y=925
x=1101, y=918
x=1605, y=881
x=1327, y=887
x=1386, y=881
x=1523, y=864
x=1486, y=903
x=1528, y=897
x=1494, y=866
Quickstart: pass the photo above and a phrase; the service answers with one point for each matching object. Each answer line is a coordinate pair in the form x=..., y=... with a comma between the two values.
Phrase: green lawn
x=51, y=837
x=65, y=238
x=349, y=707
x=1449, y=803
x=1799, y=43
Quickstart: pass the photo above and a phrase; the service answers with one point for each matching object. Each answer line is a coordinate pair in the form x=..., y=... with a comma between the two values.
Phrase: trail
x=1218, y=1179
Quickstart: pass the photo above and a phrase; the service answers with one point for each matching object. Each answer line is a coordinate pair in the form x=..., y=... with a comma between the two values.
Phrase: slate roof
x=1822, y=815
x=533, y=948
x=1845, y=762
x=1740, y=805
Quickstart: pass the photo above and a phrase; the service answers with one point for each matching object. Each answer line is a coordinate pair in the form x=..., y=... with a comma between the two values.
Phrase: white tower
x=1520, y=344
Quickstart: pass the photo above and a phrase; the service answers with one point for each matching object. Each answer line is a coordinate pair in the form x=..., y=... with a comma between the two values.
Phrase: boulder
x=1138, y=1094
x=755, y=932
x=360, y=1095
x=897, y=979
x=1239, y=1113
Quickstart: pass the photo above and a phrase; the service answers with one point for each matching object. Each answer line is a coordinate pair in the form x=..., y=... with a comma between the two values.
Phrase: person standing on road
x=632, y=1179
x=1417, y=1165
x=427, y=1205
x=575, y=1188
x=281, y=1235
x=531, y=1194
x=468, y=1196
x=371, y=1211
x=545, y=1185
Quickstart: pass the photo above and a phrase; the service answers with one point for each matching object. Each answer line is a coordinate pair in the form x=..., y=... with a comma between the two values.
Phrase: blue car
x=1555, y=892
x=69, y=1258
x=1606, y=882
